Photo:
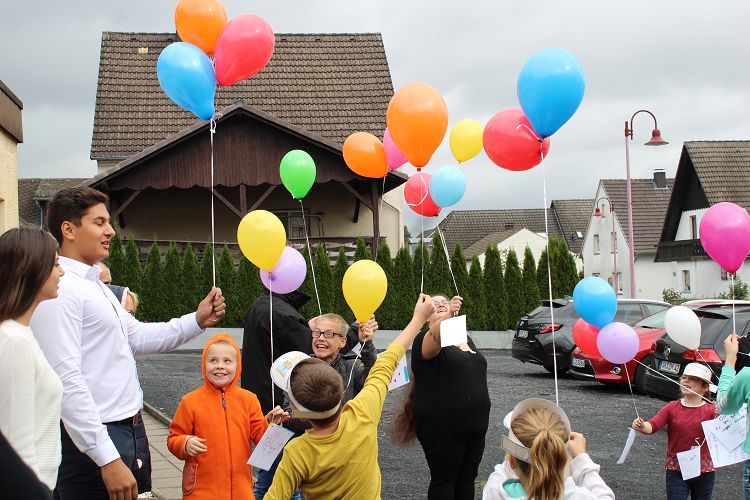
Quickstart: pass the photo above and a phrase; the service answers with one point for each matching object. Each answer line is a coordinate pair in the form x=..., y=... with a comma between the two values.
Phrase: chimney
x=660, y=178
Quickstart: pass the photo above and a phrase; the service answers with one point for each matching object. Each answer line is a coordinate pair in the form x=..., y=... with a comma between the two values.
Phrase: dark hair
x=69, y=204
x=27, y=257
x=403, y=430
x=317, y=387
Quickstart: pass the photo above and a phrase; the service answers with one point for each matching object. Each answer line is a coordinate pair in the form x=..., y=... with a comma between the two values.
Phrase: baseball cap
x=511, y=443
x=700, y=371
x=281, y=374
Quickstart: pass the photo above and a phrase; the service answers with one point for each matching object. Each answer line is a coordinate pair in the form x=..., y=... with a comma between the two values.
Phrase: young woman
x=30, y=392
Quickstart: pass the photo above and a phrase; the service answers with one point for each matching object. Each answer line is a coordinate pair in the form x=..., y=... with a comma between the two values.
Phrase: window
x=613, y=240
x=724, y=275
x=685, y=280
x=619, y=282
x=596, y=275
x=628, y=313
x=596, y=243
x=693, y=228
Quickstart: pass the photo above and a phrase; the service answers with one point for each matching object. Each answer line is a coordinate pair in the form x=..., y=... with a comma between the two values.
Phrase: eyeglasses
x=440, y=302
x=329, y=334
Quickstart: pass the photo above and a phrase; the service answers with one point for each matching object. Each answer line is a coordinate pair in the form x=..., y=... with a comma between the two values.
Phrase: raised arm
x=431, y=343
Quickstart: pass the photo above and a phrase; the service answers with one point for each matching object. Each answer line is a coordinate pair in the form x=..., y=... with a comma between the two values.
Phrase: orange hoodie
x=228, y=418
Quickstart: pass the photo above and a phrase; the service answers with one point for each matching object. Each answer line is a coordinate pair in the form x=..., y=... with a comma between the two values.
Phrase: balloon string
x=447, y=257
x=630, y=386
x=270, y=333
x=427, y=193
x=673, y=381
x=421, y=250
x=309, y=253
x=549, y=276
x=212, y=127
x=734, y=318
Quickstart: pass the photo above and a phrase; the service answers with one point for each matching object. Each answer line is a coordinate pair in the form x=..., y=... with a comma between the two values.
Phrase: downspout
x=41, y=214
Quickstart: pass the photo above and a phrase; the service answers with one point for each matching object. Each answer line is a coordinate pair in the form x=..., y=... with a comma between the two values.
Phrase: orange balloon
x=200, y=22
x=417, y=119
x=365, y=155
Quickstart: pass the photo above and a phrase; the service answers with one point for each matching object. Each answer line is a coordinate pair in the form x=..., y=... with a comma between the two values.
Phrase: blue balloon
x=187, y=77
x=550, y=89
x=447, y=186
x=595, y=301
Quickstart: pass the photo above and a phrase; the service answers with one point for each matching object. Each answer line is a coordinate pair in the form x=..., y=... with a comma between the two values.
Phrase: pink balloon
x=417, y=195
x=244, y=47
x=288, y=273
x=394, y=157
x=617, y=342
x=725, y=235
x=511, y=143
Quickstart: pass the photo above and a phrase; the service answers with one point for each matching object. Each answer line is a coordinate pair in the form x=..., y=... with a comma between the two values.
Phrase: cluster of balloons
x=725, y=235
x=240, y=48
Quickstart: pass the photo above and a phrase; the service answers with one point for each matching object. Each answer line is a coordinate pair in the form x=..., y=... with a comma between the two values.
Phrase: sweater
x=734, y=391
x=684, y=430
x=30, y=398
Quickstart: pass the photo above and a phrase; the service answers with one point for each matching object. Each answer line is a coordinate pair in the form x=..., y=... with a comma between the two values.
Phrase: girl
x=684, y=431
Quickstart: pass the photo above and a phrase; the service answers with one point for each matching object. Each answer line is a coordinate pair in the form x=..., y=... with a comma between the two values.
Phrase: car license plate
x=578, y=363
x=669, y=367
x=522, y=334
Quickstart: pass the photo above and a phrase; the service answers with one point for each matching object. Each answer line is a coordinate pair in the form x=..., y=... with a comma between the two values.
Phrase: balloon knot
x=419, y=169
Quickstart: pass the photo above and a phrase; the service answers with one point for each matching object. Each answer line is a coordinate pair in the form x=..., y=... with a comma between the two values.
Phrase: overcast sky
x=686, y=61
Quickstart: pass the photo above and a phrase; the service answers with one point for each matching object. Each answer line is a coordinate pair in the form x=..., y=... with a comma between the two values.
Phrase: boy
x=214, y=426
x=337, y=458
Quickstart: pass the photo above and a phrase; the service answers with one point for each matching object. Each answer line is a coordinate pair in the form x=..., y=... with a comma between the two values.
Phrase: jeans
x=746, y=479
x=264, y=479
x=698, y=488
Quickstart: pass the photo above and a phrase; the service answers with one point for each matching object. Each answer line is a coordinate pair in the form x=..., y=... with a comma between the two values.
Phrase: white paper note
x=628, y=445
x=400, y=376
x=271, y=444
x=453, y=331
x=357, y=349
x=690, y=463
x=721, y=455
x=732, y=430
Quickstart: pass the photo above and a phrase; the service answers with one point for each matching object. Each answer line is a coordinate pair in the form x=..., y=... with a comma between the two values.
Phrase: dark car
x=669, y=358
x=532, y=342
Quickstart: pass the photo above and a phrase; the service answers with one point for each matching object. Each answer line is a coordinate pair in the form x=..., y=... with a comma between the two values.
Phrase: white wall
x=518, y=243
x=650, y=277
x=684, y=227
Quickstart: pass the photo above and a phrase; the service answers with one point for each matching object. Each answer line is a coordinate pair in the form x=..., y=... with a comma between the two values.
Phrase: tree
x=152, y=294
x=225, y=280
x=171, y=283
x=133, y=273
x=403, y=288
x=116, y=259
x=420, y=269
x=192, y=290
x=438, y=280
x=458, y=265
x=324, y=277
x=310, y=308
x=362, y=251
x=529, y=279
x=494, y=290
x=207, y=265
x=339, y=303
x=476, y=309
x=247, y=287
x=562, y=267
x=513, y=288
x=386, y=313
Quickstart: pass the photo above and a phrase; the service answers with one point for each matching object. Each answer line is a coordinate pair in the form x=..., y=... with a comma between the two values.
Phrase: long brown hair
x=403, y=432
x=27, y=257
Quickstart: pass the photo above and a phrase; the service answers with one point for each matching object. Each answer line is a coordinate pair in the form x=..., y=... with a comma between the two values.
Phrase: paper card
x=453, y=331
x=400, y=376
x=269, y=447
x=628, y=445
x=732, y=430
x=720, y=454
x=690, y=463
x=357, y=349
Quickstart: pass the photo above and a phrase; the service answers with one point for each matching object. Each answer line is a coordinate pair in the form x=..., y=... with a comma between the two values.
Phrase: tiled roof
x=48, y=187
x=329, y=84
x=649, y=209
x=480, y=246
x=573, y=218
x=28, y=210
x=723, y=168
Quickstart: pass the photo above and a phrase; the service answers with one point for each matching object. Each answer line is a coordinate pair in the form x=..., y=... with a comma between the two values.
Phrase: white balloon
x=683, y=326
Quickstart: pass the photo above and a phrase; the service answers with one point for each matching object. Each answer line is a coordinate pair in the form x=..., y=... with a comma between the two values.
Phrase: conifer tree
x=494, y=290
x=403, y=288
x=206, y=276
x=324, y=277
x=151, y=306
x=362, y=251
x=541, y=276
x=420, y=270
x=530, y=286
x=438, y=280
x=171, y=283
x=563, y=269
x=310, y=308
x=116, y=259
x=476, y=310
x=339, y=303
x=247, y=287
x=386, y=313
x=133, y=273
x=192, y=289
x=513, y=289
x=225, y=280
x=458, y=265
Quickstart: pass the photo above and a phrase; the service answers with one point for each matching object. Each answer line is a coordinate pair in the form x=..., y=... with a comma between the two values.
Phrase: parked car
x=532, y=342
x=670, y=358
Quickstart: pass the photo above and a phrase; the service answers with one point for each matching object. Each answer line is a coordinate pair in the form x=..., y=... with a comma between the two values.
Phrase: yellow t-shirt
x=343, y=464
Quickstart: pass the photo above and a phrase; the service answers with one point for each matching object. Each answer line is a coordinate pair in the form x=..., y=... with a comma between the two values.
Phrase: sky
x=685, y=61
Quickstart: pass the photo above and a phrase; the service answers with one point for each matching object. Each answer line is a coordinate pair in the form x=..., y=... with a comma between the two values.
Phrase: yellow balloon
x=262, y=238
x=364, y=287
x=466, y=139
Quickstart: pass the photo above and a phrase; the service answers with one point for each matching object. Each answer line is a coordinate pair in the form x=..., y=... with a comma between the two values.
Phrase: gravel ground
x=601, y=413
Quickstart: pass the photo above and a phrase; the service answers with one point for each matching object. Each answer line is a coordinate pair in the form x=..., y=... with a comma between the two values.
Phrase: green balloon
x=297, y=172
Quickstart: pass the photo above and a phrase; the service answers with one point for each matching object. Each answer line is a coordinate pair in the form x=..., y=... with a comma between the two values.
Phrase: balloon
x=187, y=77
x=417, y=118
x=394, y=157
x=297, y=170
x=595, y=301
x=447, y=186
x=511, y=143
x=364, y=286
x=244, y=48
x=618, y=343
x=262, y=238
x=200, y=22
x=466, y=139
x=417, y=195
x=288, y=273
x=585, y=335
x=550, y=89
x=365, y=155
x=683, y=326
x=725, y=235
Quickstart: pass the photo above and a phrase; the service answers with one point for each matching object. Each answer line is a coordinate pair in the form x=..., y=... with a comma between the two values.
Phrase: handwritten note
x=400, y=376
x=628, y=445
x=453, y=331
x=269, y=447
x=690, y=462
x=722, y=454
x=732, y=430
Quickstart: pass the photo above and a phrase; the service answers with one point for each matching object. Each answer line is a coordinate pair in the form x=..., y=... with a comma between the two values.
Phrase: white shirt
x=90, y=341
x=30, y=395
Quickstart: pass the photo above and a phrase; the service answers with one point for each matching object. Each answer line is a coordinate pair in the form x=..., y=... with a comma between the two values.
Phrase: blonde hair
x=134, y=298
x=546, y=435
x=342, y=326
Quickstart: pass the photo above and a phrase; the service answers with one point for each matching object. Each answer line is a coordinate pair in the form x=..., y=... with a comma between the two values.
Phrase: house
x=33, y=196
x=709, y=172
x=606, y=252
x=11, y=134
x=513, y=239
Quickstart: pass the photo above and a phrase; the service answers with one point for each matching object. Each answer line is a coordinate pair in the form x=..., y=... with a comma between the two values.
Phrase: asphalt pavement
x=602, y=413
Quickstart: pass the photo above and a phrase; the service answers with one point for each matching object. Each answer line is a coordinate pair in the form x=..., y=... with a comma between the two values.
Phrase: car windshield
x=653, y=321
x=543, y=310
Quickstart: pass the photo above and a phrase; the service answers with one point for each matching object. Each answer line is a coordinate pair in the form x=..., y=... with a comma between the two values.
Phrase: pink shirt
x=683, y=427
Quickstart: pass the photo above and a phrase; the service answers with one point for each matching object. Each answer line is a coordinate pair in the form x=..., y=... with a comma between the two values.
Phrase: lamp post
x=598, y=213
x=656, y=140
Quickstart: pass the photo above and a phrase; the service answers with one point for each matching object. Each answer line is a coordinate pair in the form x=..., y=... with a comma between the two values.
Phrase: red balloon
x=584, y=335
x=417, y=195
x=511, y=143
x=244, y=48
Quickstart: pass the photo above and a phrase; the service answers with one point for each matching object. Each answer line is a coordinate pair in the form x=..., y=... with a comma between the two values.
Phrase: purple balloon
x=725, y=235
x=288, y=274
x=393, y=156
x=617, y=343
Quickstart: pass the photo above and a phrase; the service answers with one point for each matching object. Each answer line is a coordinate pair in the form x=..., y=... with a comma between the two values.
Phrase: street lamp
x=598, y=213
x=656, y=140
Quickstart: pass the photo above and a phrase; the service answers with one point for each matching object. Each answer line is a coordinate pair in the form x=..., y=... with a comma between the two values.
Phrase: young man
x=90, y=341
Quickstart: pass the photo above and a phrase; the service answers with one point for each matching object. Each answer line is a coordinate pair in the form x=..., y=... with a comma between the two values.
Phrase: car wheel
x=560, y=371
x=640, y=375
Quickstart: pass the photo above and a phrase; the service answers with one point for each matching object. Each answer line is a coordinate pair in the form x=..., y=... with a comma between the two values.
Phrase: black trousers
x=80, y=478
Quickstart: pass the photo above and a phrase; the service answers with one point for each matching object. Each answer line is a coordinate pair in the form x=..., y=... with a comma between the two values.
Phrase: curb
x=161, y=417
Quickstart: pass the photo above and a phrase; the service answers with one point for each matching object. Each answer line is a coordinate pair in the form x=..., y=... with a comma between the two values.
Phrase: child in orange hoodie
x=214, y=425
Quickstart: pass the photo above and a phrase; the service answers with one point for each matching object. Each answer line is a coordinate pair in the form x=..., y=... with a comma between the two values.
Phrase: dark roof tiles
x=723, y=168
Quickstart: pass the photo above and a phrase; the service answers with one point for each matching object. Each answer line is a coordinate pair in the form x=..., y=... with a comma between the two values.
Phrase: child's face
x=327, y=349
x=221, y=364
x=689, y=385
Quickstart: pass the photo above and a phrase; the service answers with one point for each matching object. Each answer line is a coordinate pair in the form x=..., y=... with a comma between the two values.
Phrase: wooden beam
x=122, y=207
x=227, y=203
x=357, y=194
x=262, y=197
x=243, y=199
x=375, y=195
x=357, y=204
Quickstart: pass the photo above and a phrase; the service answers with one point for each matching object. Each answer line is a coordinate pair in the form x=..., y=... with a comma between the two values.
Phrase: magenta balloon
x=394, y=157
x=288, y=274
x=725, y=235
x=617, y=343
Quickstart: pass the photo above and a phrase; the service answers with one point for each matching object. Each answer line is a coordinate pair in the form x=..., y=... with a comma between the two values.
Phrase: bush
x=403, y=289
x=476, y=307
x=339, y=303
x=671, y=296
x=386, y=313
x=531, y=295
x=494, y=290
x=192, y=289
x=133, y=274
x=116, y=260
x=438, y=280
x=514, y=289
x=152, y=306
x=171, y=279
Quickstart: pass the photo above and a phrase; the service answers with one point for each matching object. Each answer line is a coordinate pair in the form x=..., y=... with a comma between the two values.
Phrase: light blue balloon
x=595, y=301
x=550, y=89
x=447, y=186
x=187, y=77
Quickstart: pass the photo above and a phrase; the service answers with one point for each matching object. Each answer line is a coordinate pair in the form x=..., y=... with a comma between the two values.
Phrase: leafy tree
x=324, y=277
x=152, y=295
x=225, y=280
x=247, y=287
x=438, y=280
x=458, y=265
x=494, y=290
x=339, y=303
x=386, y=313
x=403, y=288
x=133, y=273
x=530, y=286
x=116, y=259
x=192, y=291
x=514, y=288
x=362, y=251
x=171, y=283
x=476, y=308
